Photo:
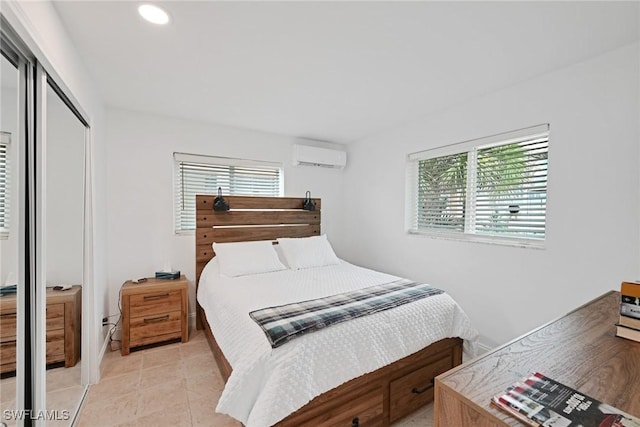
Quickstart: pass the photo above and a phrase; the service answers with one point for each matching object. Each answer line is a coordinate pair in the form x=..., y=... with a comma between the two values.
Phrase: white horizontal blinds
x=4, y=186
x=442, y=184
x=494, y=186
x=511, y=189
x=203, y=175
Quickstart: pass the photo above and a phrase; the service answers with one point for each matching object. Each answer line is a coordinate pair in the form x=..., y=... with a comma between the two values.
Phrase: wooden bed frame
x=374, y=399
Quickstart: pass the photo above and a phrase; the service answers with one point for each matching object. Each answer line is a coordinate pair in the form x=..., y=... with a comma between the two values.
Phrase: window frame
x=214, y=161
x=471, y=147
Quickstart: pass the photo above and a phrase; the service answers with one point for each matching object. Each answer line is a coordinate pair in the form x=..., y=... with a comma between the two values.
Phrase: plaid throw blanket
x=285, y=322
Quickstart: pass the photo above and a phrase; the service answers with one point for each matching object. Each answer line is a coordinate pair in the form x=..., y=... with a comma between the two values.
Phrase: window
x=195, y=174
x=5, y=139
x=493, y=187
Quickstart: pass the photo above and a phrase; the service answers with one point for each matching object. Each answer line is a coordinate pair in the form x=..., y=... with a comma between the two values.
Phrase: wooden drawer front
x=144, y=329
x=7, y=367
x=7, y=324
x=155, y=303
x=55, y=316
x=8, y=352
x=365, y=411
x=413, y=390
x=55, y=345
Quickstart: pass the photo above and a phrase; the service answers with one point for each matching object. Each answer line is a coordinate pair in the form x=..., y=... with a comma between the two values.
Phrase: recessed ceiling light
x=153, y=14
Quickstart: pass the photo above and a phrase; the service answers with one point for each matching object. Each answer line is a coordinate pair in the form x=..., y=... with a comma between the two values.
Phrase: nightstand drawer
x=8, y=352
x=55, y=316
x=8, y=324
x=155, y=303
x=149, y=328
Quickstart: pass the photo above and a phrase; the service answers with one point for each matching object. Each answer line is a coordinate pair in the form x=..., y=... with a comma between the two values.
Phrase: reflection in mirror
x=64, y=193
x=8, y=231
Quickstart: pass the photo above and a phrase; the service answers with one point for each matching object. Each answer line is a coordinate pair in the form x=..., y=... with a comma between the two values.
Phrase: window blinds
x=511, y=191
x=495, y=186
x=204, y=174
x=442, y=192
x=4, y=186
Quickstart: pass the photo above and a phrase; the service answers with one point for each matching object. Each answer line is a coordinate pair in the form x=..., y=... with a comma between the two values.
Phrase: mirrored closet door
x=9, y=227
x=63, y=192
x=43, y=242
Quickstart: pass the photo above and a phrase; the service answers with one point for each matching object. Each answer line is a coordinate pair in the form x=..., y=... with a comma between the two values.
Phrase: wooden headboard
x=249, y=218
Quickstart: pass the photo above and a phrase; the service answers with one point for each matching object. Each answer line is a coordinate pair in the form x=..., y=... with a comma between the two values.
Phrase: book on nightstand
x=542, y=401
x=629, y=322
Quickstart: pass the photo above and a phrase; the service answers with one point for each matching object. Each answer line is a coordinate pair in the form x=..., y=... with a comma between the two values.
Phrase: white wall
x=140, y=149
x=593, y=111
x=64, y=194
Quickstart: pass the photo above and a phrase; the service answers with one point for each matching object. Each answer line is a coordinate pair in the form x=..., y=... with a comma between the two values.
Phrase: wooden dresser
x=153, y=312
x=64, y=315
x=579, y=350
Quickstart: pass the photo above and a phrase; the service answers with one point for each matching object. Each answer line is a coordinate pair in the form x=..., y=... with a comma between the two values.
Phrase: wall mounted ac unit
x=317, y=156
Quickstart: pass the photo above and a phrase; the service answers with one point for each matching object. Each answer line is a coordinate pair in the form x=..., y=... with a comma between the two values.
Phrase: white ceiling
x=334, y=71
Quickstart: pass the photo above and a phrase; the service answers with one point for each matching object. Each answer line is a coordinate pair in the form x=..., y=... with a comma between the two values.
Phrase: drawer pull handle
x=8, y=315
x=417, y=390
x=8, y=342
x=157, y=319
x=355, y=422
x=155, y=297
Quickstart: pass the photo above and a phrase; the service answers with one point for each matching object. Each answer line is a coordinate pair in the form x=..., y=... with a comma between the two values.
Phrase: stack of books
x=542, y=401
x=629, y=324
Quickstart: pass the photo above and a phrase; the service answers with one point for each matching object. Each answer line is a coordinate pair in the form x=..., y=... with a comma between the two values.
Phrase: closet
x=44, y=239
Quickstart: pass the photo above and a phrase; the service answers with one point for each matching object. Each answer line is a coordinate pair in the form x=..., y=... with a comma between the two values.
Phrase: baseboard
x=103, y=351
x=105, y=344
x=483, y=348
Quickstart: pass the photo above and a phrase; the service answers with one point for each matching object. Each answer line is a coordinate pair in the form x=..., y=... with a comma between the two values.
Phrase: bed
x=330, y=377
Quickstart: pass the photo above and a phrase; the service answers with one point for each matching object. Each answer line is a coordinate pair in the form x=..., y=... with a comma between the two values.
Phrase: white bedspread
x=268, y=384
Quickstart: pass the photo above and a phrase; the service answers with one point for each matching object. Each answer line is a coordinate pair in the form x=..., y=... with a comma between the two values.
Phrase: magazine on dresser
x=541, y=401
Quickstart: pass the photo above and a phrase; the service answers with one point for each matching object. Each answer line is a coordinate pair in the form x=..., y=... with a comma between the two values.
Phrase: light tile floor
x=63, y=394
x=176, y=385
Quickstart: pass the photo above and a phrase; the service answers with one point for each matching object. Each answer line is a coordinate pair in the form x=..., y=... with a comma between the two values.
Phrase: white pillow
x=308, y=252
x=242, y=258
x=281, y=256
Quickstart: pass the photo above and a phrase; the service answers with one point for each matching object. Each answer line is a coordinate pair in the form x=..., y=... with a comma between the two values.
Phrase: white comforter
x=268, y=384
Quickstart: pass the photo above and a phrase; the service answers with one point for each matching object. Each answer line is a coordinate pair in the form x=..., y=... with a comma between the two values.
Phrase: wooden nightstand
x=64, y=315
x=153, y=311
